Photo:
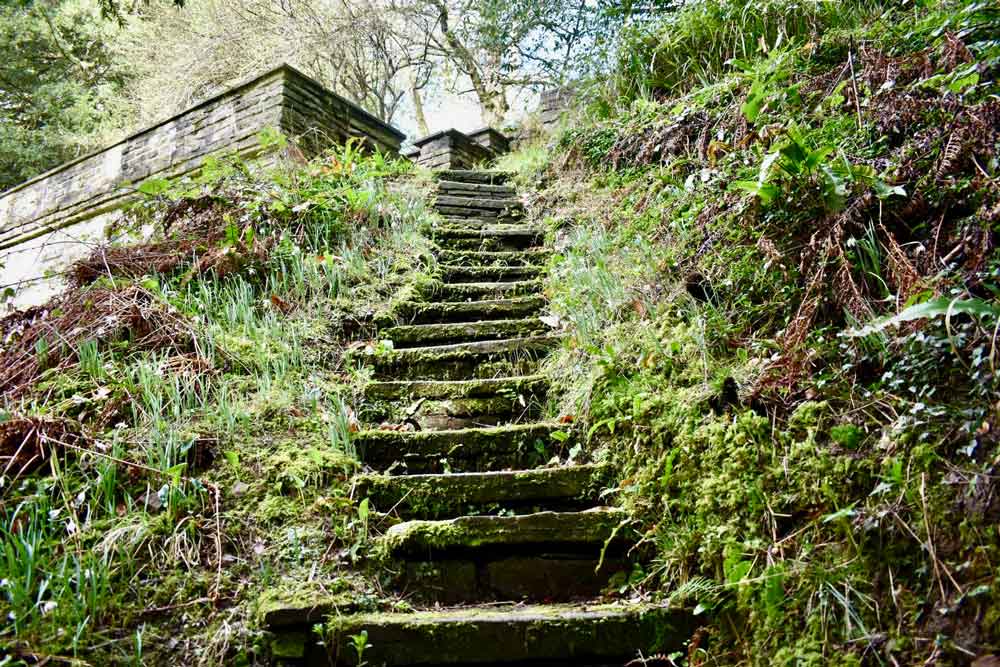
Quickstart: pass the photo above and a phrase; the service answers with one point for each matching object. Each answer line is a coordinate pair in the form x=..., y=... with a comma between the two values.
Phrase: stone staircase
x=505, y=552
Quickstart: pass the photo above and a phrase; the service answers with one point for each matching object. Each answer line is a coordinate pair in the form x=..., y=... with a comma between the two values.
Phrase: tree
x=59, y=86
x=495, y=46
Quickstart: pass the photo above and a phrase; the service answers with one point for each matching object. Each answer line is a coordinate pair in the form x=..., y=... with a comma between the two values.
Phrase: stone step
x=486, y=237
x=539, y=556
x=476, y=189
x=489, y=290
x=583, y=635
x=464, y=361
x=456, y=389
x=419, y=312
x=413, y=335
x=461, y=450
x=473, y=176
x=422, y=539
x=485, y=203
x=443, y=496
x=461, y=413
x=457, y=273
x=536, y=257
x=473, y=215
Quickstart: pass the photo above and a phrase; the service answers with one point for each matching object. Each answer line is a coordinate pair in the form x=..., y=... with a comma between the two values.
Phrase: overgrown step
x=536, y=257
x=478, y=202
x=459, y=188
x=540, y=556
x=410, y=335
x=455, y=389
x=460, y=413
x=444, y=496
x=419, y=312
x=473, y=176
x=460, y=450
x=421, y=539
x=464, y=361
x=485, y=290
x=472, y=274
x=486, y=237
x=559, y=634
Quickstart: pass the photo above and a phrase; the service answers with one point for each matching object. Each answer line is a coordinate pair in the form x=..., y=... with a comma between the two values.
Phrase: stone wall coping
x=246, y=83
x=450, y=132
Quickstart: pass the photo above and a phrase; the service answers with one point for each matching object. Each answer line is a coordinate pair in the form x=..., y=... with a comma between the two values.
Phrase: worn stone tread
x=460, y=186
x=483, y=202
x=473, y=176
x=467, y=450
x=475, y=348
x=450, y=389
x=576, y=633
x=441, y=495
x=491, y=289
x=422, y=334
x=494, y=257
x=420, y=312
x=463, y=273
x=424, y=539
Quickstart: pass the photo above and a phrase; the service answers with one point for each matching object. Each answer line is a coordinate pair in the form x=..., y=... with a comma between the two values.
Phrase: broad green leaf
x=942, y=305
x=154, y=186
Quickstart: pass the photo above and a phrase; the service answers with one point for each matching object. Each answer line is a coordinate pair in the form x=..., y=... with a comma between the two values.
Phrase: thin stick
x=854, y=81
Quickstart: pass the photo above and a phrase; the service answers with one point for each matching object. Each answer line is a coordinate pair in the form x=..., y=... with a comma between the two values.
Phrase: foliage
x=778, y=279
x=203, y=471
x=60, y=86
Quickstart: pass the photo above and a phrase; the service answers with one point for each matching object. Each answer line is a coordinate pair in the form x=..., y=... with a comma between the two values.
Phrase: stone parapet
x=46, y=221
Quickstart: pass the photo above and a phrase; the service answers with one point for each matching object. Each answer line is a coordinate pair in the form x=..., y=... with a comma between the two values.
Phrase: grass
x=792, y=477
x=226, y=458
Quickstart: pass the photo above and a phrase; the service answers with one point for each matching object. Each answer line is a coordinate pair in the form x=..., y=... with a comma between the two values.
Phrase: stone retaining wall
x=57, y=216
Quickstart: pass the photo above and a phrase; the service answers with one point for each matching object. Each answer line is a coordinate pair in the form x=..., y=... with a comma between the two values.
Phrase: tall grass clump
x=695, y=44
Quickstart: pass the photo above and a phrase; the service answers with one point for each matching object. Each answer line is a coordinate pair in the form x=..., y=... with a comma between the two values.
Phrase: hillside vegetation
x=775, y=228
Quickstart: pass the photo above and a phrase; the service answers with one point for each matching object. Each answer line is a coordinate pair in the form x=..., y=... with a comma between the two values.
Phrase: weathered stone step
x=473, y=215
x=461, y=413
x=494, y=258
x=473, y=176
x=455, y=389
x=464, y=361
x=478, y=203
x=459, y=274
x=442, y=496
x=475, y=189
x=476, y=237
x=489, y=290
x=419, y=312
x=461, y=450
x=421, y=539
x=412, y=335
x=582, y=635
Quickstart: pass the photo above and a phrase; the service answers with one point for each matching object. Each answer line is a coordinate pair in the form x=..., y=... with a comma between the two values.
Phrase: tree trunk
x=418, y=106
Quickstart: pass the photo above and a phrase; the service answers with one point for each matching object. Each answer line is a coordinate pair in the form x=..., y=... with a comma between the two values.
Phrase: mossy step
x=422, y=539
x=475, y=188
x=464, y=361
x=441, y=496
x=452, y=389
x=573, y=634
x=488, y=290
x=473, y=176
x=463, y=226
x=494, y=244
x=460, y=413
x=484, y=202
x=410, y=335
x=470, y=215
x=461, y=450
x=534, y=257
x=458, y=273
x=419, y=312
